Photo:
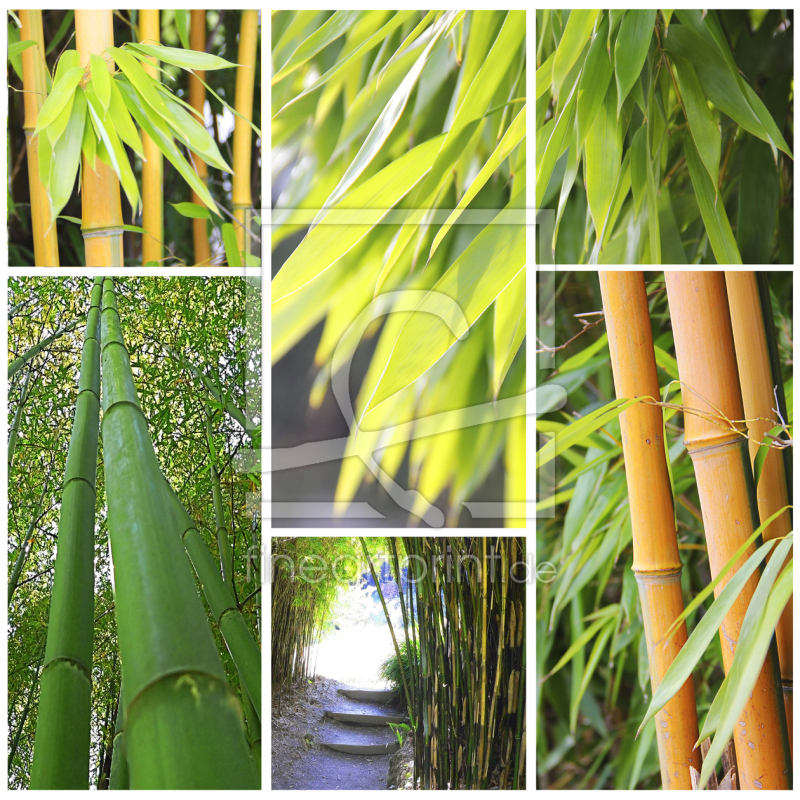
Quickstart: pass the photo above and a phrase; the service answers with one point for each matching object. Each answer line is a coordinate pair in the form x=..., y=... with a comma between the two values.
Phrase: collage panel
x=664, y=453
x=664, y=137
x=134, y=138
x=134, y=550
x=436, y=697
x=398, y=268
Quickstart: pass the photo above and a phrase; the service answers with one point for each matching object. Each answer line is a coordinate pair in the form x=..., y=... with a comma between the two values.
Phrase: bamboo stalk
x=61, y=748
x=750, y=334
x=707, y=366
x=27, y=542
x=153, y=162
x=119, y=778
x=197, y=100
x=656, y=562
x=102, y=211
x=20, y=727
x=242, y=133
x=14, y=434
x=34, y=83
x=183, y=724
x=223, y=545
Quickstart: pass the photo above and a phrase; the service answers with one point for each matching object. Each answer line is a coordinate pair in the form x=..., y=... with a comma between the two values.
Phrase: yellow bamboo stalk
x=102, y=212
x=245, y=83
x=704, y=347
x=153, y=165
x=197, y=100
x=755, y=374
x=34, y=83
x=656, y=561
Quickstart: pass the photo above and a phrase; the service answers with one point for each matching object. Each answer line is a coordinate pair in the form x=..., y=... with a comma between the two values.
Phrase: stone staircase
x=359, y=725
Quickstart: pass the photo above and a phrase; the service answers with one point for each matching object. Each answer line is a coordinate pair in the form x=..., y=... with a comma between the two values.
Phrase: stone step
x=363, y=749
x=366, y=719
x=370, y=695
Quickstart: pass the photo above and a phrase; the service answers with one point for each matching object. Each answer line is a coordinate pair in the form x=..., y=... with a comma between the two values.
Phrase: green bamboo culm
x=25, y=548
x=61, y=746
x=184, y=727
x=119, y=762
x=224, y=546
x=14, y=433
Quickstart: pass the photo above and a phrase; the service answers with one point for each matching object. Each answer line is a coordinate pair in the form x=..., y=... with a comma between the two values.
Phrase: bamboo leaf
x=67, y=157
x=755, y=636
x=509, y=329
x=123, y=122
x=101, y=80
x=334, y=27
x=63, y=91
x=707, y=628
x=578, y=645
x=186, y=59
x=183, y=24
x=61, y=32
x=191, y=210
x=14, y=50
x=630, y=50
x=638, y=169
x=652, y=201
x=591, y=665
x=763, y=452
x=578, y=30
x=231, y=245
x=702, y=126
x=714, y=216
x=557, y=143
x=472, y=283
x=759, y=193
x=570, y=173
x=59, y=124
x=544, y=75
x=603, y=158
x=712, y=718
x=595, y=77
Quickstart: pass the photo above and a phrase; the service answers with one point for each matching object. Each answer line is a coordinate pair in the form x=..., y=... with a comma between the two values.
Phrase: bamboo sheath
x=101, y=212
x=153, y=162
x=757, y=381
x=242, y=133
x=710, y=381
x=183, y=724
x=197, y=100
x=656, y=560
x=61, y=748
x=34, y=83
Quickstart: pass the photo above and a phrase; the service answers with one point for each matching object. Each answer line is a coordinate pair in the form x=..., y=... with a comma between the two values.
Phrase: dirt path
x=298, y=760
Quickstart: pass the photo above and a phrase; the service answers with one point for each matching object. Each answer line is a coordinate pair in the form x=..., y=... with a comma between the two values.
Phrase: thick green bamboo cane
x=223, y=544
x=183, y=724
x=61, y=749
x=25, y=548
x=18, y=363
x=119, y=778
x=14, y=434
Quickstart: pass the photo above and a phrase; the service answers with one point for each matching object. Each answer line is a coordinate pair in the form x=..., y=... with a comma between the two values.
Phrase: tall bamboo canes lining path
x=178, y=723
x=701, y=324
x=466, y=696
x=656, y=561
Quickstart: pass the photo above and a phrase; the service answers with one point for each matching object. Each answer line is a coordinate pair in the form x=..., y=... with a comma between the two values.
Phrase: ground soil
x=298, y=728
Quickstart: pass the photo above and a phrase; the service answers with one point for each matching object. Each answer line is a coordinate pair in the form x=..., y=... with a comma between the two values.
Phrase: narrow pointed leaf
x=186, y=59
x=595, y=77
x=67, y=157
x=509, y=329
x=62, y=93
x=603, y=152
x=101, y=79
x=630, y=50
x=576, y=34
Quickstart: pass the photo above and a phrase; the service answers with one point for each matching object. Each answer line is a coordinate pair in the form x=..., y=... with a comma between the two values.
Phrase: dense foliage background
x=203, y=320
x=686, y=114
x=221, y=39
x=588, y=712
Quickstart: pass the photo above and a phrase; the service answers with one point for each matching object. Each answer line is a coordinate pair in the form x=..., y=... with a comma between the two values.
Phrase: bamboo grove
x=134, y=657
x=464, y=613
x=103, y=95
x=682, y=496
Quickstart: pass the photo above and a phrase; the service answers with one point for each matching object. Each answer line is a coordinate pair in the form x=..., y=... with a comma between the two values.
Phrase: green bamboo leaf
x=326, y=243
x=334, y=27
x=757, y=631
x=707, y=628
x=576, y=433
x=666, y=362
x=512, y=137
x=578, y=645
x=231, y=245
x=67, y=157
x=59, y=124
x=14, y=50
x=638, y=169
x=183, y=24
x=62, y=93
x=88, y=145
x=591, y=666
x=704, y=130
x=759, y=193
x=123, y=123
x=603, y=155
x=390, y=115
x=68, y=60
x=544, y=75
x=186, y=59
x=721, y=88
x=712, y=718
x=595, y=77
x=61, y=32
x=556, y=145
x=472, y=283
x=601, y=252
x=615, y=16
x=191, y=210
x=630, y=50
x=714, y=216
x=763, y=452
x=578, y=30
x=157, y=130
x=230, y=108
x=652, y=201
x=509, y=329
x=570, y=173
x=101, y=80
